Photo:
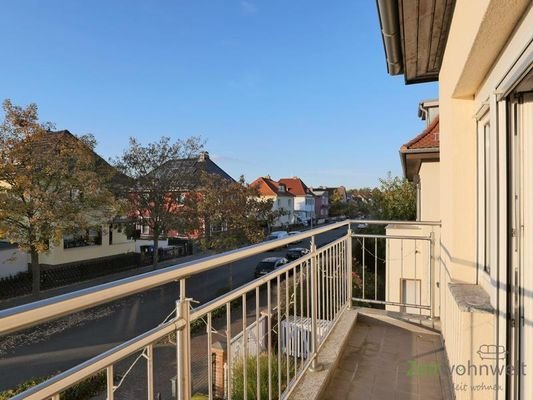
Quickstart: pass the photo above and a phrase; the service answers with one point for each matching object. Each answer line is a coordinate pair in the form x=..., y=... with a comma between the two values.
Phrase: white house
x=304, y=199
x=283, y=199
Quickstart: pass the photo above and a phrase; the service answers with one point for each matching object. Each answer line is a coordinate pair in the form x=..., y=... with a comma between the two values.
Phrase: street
x=56, y=346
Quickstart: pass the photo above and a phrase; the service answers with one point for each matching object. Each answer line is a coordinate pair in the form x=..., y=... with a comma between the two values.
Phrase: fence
x=300, y=304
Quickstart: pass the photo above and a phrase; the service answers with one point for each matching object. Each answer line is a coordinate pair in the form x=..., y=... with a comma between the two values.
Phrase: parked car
x=277, y=235
x=294, y=233
x=269, y=264
x=296, y=252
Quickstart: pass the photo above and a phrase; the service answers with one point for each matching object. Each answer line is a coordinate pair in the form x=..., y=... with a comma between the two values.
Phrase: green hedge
x=237, y=384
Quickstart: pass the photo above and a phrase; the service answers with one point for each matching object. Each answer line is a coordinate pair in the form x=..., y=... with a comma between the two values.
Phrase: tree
x=159, y=182
x=51, y=184
x=396, y=199
x=231, y=213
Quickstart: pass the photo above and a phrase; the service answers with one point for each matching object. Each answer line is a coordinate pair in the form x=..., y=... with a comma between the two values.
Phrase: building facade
x=282, y=199
x=486, y=158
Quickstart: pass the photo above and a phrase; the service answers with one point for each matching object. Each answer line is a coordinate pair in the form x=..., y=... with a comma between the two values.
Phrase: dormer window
x=281, y=188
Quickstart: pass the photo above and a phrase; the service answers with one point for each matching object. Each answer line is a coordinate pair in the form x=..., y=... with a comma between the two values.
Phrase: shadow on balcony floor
x=386, y=358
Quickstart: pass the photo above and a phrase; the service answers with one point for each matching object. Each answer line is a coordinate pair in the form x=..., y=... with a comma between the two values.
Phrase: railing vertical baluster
x=336, y=268
x=375, y=268
x=331, y=280
x=432, y=275
x=363, y=267
x=301, y=329
x=331, y=284
x=229, y=356
x=110, y=383
x=288, y=331
x=244, y=347
x=258, y=350
x=327, y=287
x=183, y=363
x=280, y=335
x=349, y=257
x=315, y=366
x=294, y=313
x=150, y=371
x=308, y=306
x=269, y=348
x=209, y=356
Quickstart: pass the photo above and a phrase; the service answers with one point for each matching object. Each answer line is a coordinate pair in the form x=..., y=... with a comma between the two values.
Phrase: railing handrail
x=31, y=314
x=218, y=302
x=392, y=222
x=62, y=381
x=59, y=382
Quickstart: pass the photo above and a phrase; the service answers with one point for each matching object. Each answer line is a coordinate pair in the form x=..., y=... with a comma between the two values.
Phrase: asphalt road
x=64, y=343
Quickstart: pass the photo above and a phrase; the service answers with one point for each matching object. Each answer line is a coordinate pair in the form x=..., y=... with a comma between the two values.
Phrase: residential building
x=321, y=202
x=304, y=200
x=12, y=260
x=193, y=167
x=420, y=163
x=97, y=243
x=282, y=199
x=481, y=53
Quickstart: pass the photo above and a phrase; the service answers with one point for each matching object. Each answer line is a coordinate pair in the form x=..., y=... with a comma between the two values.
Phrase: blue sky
x=275, y=87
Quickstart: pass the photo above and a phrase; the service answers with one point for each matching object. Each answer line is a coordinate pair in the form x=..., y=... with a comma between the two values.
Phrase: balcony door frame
x=520, y=252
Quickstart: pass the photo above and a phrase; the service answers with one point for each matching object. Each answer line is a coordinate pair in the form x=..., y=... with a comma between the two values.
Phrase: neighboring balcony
x=353, y=318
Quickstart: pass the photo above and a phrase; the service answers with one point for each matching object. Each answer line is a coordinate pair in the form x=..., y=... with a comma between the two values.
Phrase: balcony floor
x=377, y=362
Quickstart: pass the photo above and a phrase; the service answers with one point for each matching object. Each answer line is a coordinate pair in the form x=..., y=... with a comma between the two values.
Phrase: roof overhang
x=414, y=36
x=412, y=159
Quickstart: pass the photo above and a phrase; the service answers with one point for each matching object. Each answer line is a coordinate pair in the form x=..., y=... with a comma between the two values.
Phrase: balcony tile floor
x=377, y=363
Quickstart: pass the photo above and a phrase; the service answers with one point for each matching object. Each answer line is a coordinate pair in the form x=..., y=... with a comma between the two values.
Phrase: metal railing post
x=315, y=366
x=183, y=357
x=432, y=273
x=349, y=266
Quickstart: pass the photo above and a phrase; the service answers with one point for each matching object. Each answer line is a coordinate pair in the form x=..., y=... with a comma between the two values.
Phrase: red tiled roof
x=268, y=187
x=295, y=186
x=428, y=139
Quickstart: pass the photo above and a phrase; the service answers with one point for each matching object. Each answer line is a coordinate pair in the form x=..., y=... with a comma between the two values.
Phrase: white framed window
x=485, y=189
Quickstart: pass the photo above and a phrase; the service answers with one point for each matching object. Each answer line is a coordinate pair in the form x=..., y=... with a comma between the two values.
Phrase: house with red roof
x=304, y=199
x=420, y=163
x=269, y=189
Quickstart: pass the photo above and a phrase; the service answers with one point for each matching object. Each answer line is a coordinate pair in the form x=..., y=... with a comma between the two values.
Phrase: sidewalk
x=45, y=294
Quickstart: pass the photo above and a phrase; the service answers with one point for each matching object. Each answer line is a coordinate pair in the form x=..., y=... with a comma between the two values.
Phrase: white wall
x=58, y=255
x=12, y=261
x=429, y=191
x=302, y=209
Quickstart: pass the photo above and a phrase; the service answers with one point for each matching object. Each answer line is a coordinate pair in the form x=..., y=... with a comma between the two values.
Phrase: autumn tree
x=231, y=213
x=51, y=184
x=160, y=177
x=396, y=199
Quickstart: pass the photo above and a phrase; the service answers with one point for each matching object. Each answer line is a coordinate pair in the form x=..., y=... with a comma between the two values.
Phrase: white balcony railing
x=289, y=312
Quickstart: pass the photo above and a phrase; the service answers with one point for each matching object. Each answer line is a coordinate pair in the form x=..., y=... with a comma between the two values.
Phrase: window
x=279, y=203
x=485, y=188
x=145, y=230
x=218, y=227
x=85, y=237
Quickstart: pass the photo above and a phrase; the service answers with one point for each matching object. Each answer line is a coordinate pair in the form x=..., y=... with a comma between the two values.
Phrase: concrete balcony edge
x=312, y=384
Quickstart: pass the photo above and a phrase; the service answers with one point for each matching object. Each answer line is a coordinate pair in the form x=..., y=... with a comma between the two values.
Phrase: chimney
x=204, y=156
